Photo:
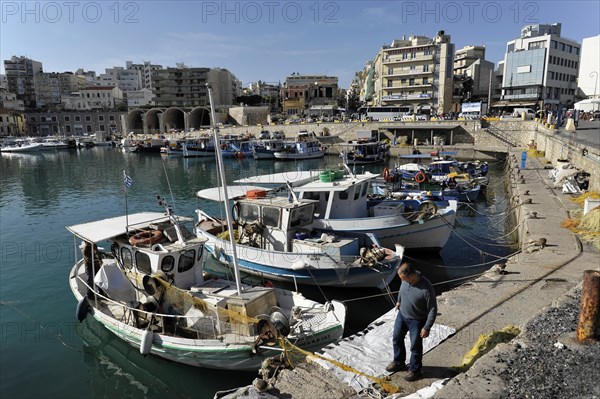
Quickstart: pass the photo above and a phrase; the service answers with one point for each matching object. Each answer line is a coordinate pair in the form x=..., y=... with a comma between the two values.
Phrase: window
x=167, y=264
x=425, y=81
x=111, y=117
x=413, y=55
x=426, y=68
x=101, y=118
x=142, y=262
x=301, y=216
x=33, y=119
x=67, y=118
x=186, y=261
x=390, y=71
x=78, y=118
x=343, y=195
x=411, y=81
x=126, y=258
x=270, y=217
x=390, y=83
x=88, y=118
x=248, y=213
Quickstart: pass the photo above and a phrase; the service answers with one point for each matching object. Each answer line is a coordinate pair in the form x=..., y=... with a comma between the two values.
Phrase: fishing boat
x=277, y=239
x=198, y=148
x=306, y=146
x=150, y=290
x=266, y=148
x=364, y=152
x=342, y=206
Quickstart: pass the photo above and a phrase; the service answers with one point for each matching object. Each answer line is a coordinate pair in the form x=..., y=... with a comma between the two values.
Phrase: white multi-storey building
x=414, y=75
x=540, y=68
x=20, y=72
x=146, y=69
x=94, y=97
x=139, y=98
x=589, y=70
x=126, y=79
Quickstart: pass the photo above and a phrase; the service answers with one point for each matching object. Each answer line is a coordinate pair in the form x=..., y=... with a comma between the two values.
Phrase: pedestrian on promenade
x=417, y=307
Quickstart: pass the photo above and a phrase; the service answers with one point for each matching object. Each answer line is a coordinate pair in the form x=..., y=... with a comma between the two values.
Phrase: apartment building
x=94, y=97
x=20, y=73
x=146, y=69
x=51, y=87
x=540, y=69
x=414, y=75
x=300, y=93
x=125, y=79
x=186, y=87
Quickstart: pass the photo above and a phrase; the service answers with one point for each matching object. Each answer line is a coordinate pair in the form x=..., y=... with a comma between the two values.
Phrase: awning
x=513, y=104
x=108, y=228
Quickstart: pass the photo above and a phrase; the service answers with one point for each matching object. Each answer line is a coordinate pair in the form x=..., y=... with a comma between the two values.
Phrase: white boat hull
x=231, y=353
x=24, y=148
x=309, y=268
x=290, y=155
x=391, y=230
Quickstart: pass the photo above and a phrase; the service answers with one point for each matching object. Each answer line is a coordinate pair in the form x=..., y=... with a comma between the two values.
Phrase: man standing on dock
x=417, y=307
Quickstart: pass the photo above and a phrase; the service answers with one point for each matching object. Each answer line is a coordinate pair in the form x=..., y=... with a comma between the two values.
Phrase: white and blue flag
x=128, y=181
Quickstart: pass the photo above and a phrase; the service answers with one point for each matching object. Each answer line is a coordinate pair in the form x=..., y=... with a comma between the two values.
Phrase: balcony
x=409, y=86
x=406, y=97
x=421, y=58
x=408, y=73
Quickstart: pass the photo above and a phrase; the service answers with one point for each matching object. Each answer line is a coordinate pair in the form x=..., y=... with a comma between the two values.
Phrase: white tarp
x=115, y=284
x=588, y=105
x=371, y=351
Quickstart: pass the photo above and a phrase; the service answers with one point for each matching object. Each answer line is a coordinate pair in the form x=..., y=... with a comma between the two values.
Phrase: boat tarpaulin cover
x=371, y=351
x=115, y=284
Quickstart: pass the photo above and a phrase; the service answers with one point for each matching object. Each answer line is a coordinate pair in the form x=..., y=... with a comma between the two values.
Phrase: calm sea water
x=45, y=352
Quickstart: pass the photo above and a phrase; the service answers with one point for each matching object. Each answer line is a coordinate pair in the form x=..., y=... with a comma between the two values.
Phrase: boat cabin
x=272, y=223
x=149, y=243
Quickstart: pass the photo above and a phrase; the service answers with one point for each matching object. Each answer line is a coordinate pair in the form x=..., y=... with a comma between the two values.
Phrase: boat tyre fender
x=146, y=238
x=83, y=307
x=420, y=177
x=387, y=174
x=428, y=206
x=584, y=152
x=146, y=342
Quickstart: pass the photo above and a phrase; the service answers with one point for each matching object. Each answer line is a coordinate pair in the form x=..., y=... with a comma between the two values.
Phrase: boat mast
x=236, y=270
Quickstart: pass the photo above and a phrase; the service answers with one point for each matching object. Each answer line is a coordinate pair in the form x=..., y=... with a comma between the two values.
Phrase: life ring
x=386, y=174
x=420, y=177
x=146, y=238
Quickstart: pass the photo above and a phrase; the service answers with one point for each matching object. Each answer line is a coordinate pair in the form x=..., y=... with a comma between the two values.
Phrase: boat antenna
x=348, y=168
x=169, y=212
x=221, y=168
x=292, y=193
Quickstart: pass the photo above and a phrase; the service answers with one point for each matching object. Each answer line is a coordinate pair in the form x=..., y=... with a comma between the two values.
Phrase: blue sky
x=265, y=40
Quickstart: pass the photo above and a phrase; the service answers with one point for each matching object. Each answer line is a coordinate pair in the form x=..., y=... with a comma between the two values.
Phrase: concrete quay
x=536, y=291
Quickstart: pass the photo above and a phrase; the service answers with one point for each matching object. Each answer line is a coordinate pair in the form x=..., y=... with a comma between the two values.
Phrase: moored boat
x=150, y=290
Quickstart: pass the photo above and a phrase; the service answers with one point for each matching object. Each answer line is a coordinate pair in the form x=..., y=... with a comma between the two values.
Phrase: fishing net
x=295, y=356
x=195, y=316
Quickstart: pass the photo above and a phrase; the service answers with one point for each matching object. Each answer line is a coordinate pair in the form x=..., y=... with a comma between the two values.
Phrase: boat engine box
x=252, y=302
x=389, y=209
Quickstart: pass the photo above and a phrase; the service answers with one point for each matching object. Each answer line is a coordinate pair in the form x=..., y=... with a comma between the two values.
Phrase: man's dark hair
x=408, y=269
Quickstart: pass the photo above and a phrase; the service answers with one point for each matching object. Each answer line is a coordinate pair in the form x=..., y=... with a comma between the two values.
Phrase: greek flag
x=127, y=180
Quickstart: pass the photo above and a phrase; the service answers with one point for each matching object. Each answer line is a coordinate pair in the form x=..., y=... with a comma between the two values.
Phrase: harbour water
x=45, y=352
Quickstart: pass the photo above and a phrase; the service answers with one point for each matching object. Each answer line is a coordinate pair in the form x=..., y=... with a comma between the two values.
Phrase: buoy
x=420, y=177
x=83, y=308
x=256, y=193
x=146, y=342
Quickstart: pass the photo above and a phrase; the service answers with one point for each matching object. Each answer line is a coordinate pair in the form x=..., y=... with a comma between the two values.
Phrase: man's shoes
x=413, y=375
x=394, y=367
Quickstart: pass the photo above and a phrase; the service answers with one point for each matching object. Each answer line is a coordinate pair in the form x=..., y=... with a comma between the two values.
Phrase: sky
x=265, y=40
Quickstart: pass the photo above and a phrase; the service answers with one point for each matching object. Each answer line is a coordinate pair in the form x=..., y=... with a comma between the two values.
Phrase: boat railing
x=222, y=321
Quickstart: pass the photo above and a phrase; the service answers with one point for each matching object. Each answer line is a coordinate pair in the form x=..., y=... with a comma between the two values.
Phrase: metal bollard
x=589, y=309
